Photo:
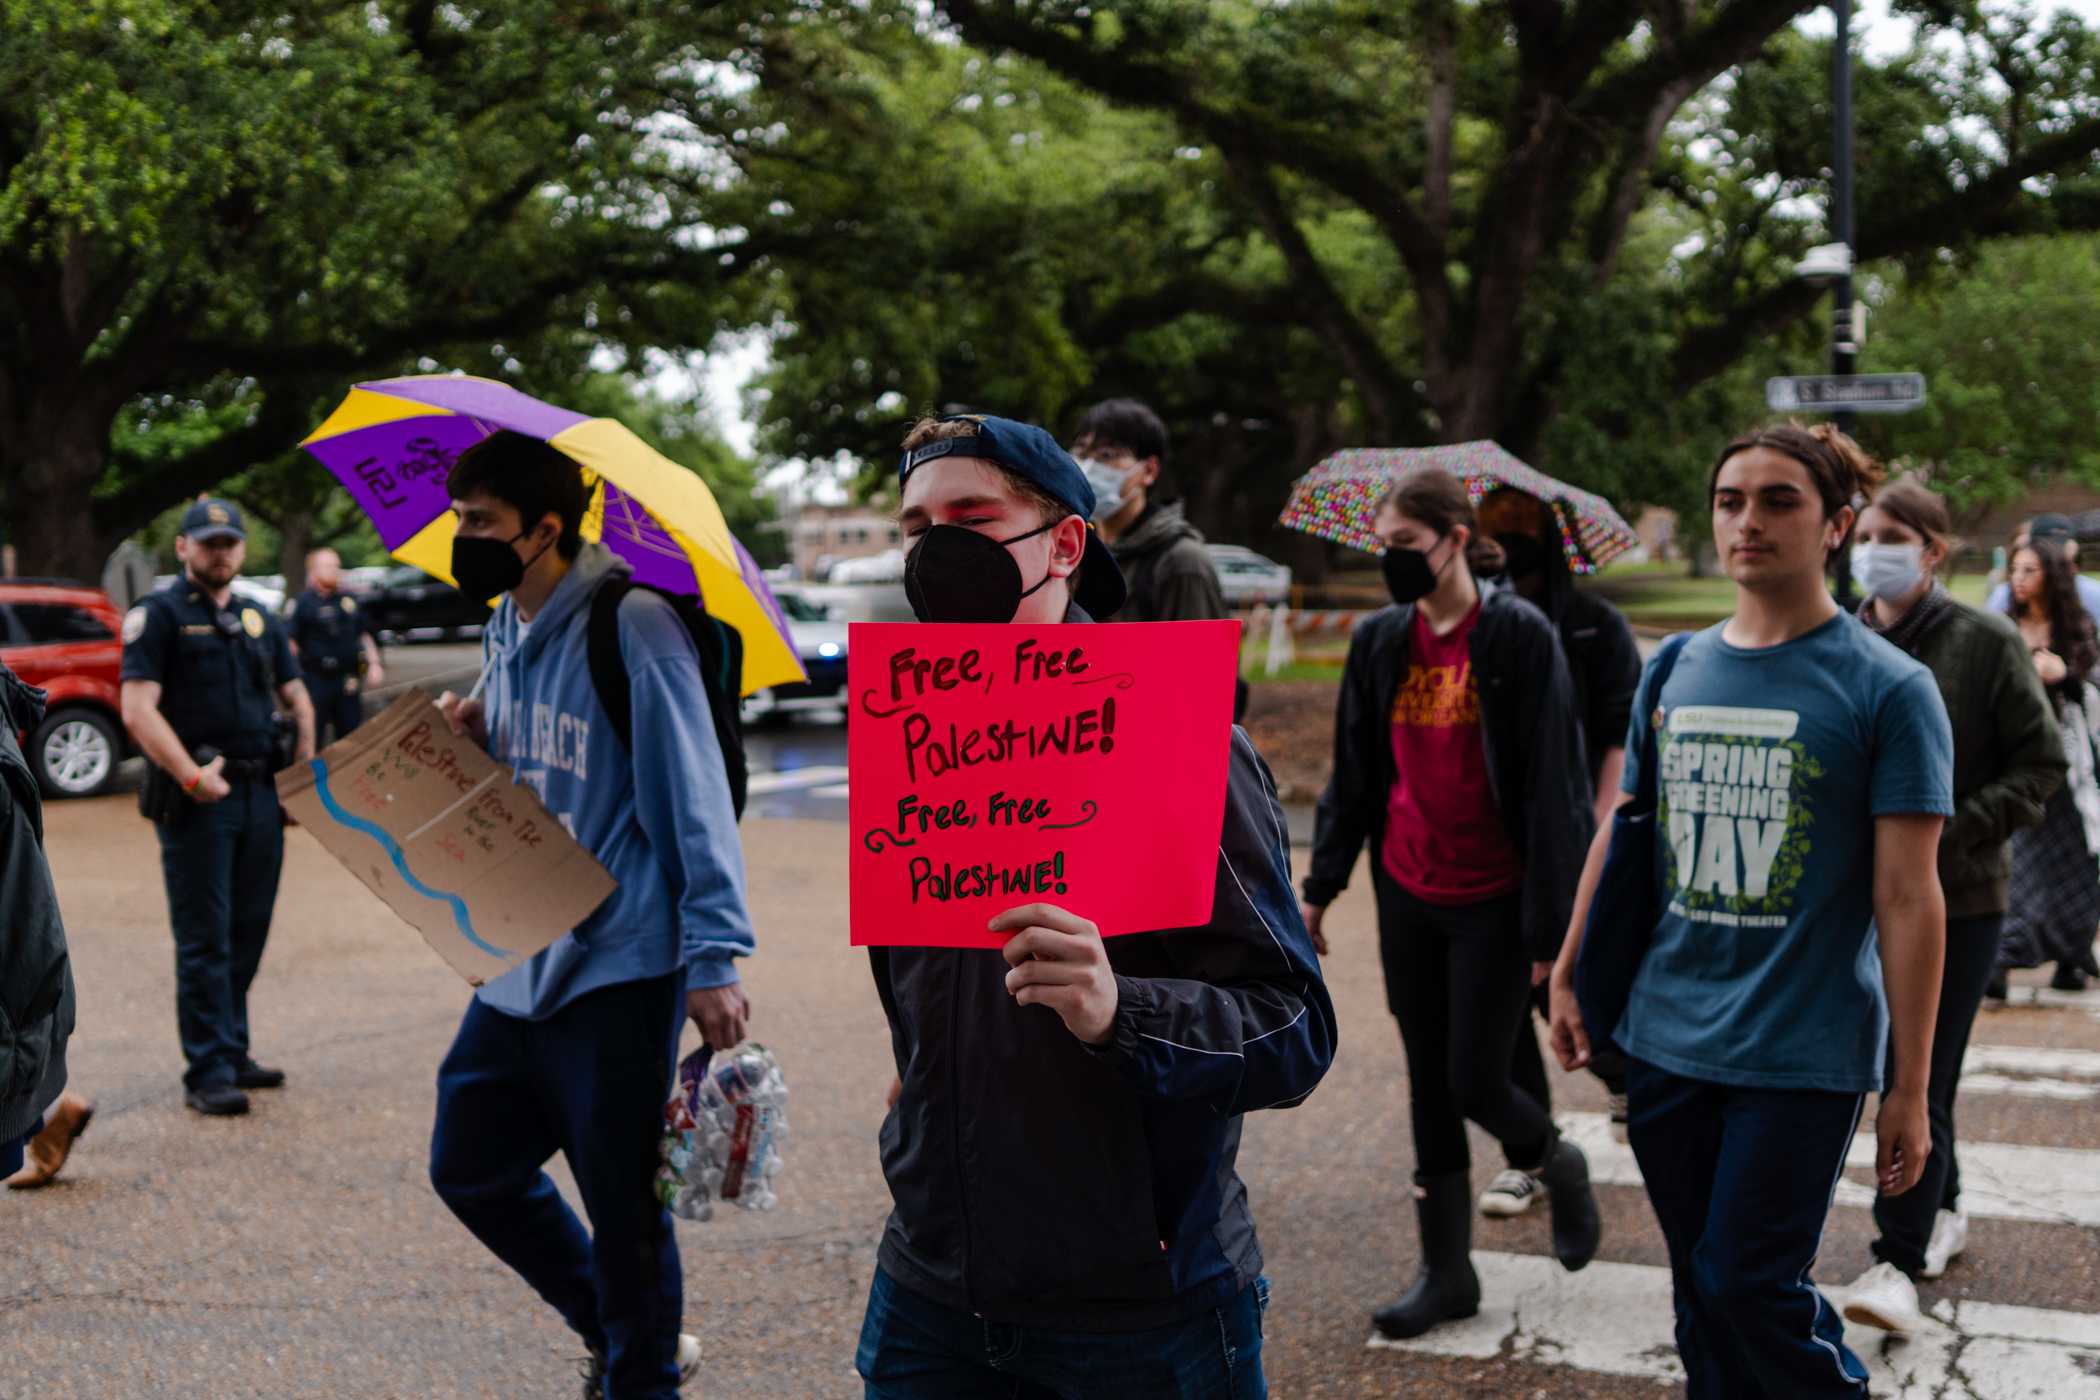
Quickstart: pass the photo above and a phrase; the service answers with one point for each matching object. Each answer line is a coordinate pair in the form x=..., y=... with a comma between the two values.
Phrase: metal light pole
x=1844, y=341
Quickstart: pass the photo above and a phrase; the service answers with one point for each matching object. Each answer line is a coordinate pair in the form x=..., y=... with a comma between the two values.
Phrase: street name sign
x=1856, y=393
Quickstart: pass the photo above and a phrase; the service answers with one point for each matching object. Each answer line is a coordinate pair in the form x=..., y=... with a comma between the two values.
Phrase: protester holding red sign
x=1458, y=756
x=1068, y=1220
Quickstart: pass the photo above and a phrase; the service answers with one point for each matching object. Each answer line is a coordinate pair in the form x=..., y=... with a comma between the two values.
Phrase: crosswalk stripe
x=793, y=780
x=1999, y=1181
x=2088, y=1001
x=2031, y=1059
x=1616, y=1319
x=2026, y=1071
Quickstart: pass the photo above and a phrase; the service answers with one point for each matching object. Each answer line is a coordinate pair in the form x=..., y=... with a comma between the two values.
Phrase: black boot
x=1447, y=1288
x=1576, y=1227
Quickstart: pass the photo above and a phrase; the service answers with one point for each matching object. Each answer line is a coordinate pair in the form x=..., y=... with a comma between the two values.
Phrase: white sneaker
x=1510, y=1194
x=1884, y=1297
x=688, y=1356
x=1950, y=1236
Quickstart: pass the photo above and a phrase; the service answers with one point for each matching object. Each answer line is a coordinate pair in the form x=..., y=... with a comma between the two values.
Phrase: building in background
x=823, y=535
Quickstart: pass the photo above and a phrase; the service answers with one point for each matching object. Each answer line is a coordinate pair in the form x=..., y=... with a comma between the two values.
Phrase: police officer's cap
x=214, y=520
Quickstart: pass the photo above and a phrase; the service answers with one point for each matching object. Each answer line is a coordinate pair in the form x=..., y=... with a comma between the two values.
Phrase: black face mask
x=1523, y=554
x=958, y=575
x=484, y=567
x=1408, y=576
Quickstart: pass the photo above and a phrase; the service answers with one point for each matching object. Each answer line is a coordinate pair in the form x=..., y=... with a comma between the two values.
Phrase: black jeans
x=1527, y=1066
x=1458, y=980
x=1741, y=1181
x=1905, y=1221
x=220, y=863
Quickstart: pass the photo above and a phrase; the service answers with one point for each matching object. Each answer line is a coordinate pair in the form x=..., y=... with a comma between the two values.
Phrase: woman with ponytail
x=2008, y=760
x=1458, y=759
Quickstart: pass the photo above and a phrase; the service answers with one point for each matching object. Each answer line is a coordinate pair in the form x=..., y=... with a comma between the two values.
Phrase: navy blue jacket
x=1041, y=1181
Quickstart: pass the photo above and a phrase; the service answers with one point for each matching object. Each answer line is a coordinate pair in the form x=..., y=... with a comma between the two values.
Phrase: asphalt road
x=300, y=1252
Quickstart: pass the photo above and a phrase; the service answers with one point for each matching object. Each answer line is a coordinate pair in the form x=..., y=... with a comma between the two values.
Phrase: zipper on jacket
x=962, y=1189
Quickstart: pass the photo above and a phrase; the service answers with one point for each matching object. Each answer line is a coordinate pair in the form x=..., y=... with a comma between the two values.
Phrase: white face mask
x=1111, y=486
x=1888, y=571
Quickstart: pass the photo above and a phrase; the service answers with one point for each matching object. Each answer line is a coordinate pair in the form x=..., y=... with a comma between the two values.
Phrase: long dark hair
x=2070, y=626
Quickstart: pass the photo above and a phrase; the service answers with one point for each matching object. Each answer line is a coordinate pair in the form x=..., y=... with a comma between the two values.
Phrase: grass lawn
x=1662, y=595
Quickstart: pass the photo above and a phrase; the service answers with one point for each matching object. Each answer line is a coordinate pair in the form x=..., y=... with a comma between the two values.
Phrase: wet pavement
x=300, y=1252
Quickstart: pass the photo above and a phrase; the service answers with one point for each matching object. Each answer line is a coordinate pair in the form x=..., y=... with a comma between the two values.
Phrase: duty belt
x=252, y=769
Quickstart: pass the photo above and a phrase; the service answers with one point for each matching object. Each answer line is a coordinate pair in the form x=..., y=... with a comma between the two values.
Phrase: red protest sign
x=999, y=765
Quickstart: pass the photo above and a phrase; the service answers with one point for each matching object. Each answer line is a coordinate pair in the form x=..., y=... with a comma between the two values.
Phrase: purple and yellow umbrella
x=393, y=442
x=1338, y=499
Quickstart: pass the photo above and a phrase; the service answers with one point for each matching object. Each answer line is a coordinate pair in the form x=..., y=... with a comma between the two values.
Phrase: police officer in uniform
x=335, y=649
x=204, y=672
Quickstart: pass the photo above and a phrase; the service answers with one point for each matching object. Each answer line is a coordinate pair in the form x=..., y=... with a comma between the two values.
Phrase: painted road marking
x=1616, y=1319
x=2088, y=1001
x=2031, y=1072
x=1999, y=1181
x=793, y=780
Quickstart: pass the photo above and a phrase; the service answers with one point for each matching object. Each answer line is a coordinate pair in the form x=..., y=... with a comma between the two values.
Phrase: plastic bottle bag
x=723, y=1127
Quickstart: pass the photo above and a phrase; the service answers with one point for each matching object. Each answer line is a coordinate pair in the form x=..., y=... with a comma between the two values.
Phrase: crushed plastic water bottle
x=723, y=1127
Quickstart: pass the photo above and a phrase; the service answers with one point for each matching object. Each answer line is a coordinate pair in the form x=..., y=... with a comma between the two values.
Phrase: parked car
x=409, y=600
x=64, y=638
x=821, y=644
x=266, y=589
x=1249, y=579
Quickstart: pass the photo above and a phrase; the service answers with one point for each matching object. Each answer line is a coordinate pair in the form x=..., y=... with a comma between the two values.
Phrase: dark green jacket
x=2008, y=751
x=36, y=983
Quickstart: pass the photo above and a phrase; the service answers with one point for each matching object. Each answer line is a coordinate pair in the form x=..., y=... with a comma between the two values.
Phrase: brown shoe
x=48, y=1150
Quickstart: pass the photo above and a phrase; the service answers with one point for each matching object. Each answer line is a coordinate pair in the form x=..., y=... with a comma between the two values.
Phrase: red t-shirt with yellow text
x=1444, y=840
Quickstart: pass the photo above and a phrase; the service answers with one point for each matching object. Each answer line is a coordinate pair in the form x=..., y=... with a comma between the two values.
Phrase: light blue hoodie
x=660, y=822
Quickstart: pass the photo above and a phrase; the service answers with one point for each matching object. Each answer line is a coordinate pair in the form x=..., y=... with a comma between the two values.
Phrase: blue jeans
x=588, y=1082
x=220, y=864
x=914, y=1349
x=1742, y=1180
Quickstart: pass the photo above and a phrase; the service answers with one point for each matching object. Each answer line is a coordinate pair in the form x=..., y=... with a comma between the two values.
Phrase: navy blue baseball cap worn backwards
x=1041, y=460
x=214, y=520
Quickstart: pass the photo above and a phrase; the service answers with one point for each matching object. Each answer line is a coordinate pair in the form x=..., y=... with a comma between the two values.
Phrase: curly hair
x=2071, y=634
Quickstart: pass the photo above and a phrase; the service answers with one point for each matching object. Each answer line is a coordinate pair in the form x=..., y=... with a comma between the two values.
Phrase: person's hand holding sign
x=1059, y=961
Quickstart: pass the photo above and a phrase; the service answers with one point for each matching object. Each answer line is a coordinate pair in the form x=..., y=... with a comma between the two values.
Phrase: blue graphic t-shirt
x=1773, y=764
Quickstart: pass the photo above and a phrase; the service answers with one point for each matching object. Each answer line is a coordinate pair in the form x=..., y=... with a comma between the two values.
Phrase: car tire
x=75, y=753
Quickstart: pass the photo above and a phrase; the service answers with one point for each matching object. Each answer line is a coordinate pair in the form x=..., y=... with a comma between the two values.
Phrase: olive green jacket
x=2008, y=751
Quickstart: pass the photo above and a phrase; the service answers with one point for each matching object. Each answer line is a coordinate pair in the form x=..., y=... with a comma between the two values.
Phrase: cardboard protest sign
x=437, y=829
x=995, y=766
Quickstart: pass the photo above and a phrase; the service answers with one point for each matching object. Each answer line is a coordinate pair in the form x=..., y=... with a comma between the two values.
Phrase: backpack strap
x=608, y=668
x=1646, y=800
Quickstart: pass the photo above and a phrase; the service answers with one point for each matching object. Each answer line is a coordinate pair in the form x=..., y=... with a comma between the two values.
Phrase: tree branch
x=1157, y=87
x=1384, y=390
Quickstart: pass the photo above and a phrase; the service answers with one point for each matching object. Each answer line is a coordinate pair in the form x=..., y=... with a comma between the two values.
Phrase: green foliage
x=2012, y=370
x=209, y=204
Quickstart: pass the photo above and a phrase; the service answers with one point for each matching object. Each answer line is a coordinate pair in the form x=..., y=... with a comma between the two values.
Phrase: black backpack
x=721, y=650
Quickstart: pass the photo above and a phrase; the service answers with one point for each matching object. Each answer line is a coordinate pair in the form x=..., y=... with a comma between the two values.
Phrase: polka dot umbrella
x=1337, y=499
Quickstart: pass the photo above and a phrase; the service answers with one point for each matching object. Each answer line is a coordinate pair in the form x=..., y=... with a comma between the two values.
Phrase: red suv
x=63, y=639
